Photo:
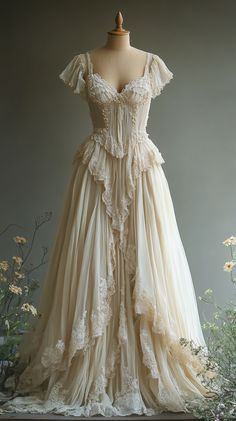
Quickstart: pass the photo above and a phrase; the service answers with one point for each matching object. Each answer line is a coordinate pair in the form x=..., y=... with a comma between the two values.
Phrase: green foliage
x=17, y=287
x=221, y=357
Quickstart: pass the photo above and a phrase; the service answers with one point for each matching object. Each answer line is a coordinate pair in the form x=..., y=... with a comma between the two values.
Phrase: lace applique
x=102, y=92
x=140, y=158
x=123, y=324
x=57, y=395
x=113, y=360
x=101, y=316
x=129, y=399
x=99, y=387
x=128, y=384
x=113, y=145
x=53, y=355
x=148, y=355
x=80, y=335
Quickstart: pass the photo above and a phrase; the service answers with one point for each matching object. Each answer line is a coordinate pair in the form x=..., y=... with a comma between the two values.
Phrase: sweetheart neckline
x=125, y=87
x=110, y=85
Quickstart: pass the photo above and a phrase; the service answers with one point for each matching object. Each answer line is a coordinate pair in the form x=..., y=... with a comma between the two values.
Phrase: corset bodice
x=119, y=119
x=119, y=148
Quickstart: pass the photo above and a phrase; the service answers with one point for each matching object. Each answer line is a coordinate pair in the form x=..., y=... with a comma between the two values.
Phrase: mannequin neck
x=115, y=42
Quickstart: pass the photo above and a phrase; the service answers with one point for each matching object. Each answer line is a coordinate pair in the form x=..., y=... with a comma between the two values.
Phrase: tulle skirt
x=113, y=311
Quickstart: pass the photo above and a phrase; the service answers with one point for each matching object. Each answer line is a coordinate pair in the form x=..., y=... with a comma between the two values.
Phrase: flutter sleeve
x=73, y=75
x=160, y=75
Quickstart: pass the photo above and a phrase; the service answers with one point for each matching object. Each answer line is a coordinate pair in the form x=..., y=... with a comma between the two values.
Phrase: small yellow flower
x=4, y=265
x=29, y=307
x=20, y=240
x=230, y=241
x=25, y=307
x=18, y=260
x=19, y=275
x=228, y=266
x=16, y=290
x=33, y=310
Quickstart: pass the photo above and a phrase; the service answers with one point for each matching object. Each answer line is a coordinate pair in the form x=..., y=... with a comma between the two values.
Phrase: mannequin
x=117, y=62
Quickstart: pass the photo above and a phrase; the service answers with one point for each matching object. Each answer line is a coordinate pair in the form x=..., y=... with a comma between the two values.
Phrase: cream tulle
x=118, y=293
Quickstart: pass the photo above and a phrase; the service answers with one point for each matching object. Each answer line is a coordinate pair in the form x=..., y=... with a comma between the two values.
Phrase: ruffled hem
x=130, y=404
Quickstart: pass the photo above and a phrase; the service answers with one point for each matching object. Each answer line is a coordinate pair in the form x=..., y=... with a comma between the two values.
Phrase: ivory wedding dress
x=118, y=293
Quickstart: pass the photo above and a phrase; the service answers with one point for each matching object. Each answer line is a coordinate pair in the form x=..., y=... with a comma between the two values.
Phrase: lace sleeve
x=160, y=75
x=73, y=75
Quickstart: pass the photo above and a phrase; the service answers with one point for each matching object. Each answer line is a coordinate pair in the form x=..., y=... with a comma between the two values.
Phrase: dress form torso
x=117, y=62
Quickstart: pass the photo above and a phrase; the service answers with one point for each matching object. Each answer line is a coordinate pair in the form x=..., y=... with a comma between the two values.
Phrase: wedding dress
x=118, y=293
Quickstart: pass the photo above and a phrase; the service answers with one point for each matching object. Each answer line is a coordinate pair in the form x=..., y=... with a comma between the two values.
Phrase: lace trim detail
x=109, y=142
x=53, y=356
x=140, y=157
x=148, y=355
x=101, y=92
x=123, y=324
x=113, y=361
x=127, y=400
x=103, y=313
x=82, y=335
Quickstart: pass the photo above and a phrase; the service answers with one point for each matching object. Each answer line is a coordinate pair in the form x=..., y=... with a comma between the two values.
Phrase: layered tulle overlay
x=118, y=293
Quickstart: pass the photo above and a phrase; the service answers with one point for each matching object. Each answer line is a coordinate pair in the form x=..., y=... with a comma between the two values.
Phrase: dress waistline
x=118, y=145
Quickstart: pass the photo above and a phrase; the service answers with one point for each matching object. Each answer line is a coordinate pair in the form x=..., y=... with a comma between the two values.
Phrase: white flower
x=19, y=240
x=228, y=266
x=33, y=310
x=18, y=260
x=16, y=290
x=230, y=241
x=29, y=307
x=19, y=275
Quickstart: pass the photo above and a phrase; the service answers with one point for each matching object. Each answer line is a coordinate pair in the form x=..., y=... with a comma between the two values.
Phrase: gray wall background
x=193, y=121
